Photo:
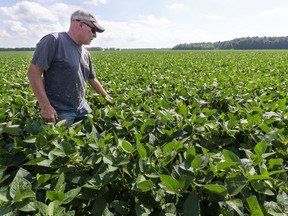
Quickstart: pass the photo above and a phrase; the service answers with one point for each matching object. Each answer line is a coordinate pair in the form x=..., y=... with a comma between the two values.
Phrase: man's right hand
x=49, y=114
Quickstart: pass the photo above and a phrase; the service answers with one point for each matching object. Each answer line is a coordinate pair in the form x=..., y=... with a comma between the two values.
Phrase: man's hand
x=49, y=114
x=109, y=99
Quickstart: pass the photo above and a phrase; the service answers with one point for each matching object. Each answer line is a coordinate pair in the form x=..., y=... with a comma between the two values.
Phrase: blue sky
x=145, y=23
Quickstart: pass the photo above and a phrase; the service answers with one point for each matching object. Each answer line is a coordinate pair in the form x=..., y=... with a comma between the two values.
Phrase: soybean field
x=189, y=133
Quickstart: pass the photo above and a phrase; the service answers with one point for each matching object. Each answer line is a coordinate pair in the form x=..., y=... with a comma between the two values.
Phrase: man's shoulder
x=54, y=36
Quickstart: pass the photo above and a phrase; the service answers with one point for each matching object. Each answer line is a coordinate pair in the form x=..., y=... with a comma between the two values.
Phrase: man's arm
x=99, y=89
x=34, y=74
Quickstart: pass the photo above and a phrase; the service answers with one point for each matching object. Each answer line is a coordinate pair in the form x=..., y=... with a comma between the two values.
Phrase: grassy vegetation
x=190, y=133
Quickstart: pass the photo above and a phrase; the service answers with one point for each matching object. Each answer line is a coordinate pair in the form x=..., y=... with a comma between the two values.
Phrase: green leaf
x=71, y=194
x=27, y=206
x=282, y=200
x=55, y=195
x=231, y=156
x=215, y=188
x=191, y=152
x=261, y=187
x=13, y=130
x=265, y=128
x=4, y=194
x=200, y=161
x=35, y=161
x=183, y=110
x=101, y=207
x=20, y=187
x=121, y=207
x=60, y=186
x=42, y=178
x=192, y=205
x=224, y=165
x=43, y=208
x=141, y=150
x=108, y=159
x=24, y=194
x=235, y=184
x=173, y=145
x=125, y=145
x=31, y=139
x=169, y=209
x=260, y=148
x=170, y=183
x=196, y=162
x=237, y=205
x=143, y=209
x=145, y=185
x=54, y=208
x=254, y=206
x=41, y=141
x=7, y=211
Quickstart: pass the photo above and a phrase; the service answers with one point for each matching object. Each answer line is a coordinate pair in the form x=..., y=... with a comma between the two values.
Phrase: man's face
x=88, y=32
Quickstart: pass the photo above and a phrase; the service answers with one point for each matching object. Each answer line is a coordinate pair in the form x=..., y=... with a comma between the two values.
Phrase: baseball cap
x=84, y=15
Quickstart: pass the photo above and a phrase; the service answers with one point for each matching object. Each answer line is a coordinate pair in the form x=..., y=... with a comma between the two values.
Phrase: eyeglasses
x=93, y=29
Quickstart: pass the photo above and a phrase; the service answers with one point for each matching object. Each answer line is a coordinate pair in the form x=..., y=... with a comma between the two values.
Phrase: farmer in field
x=60, y=68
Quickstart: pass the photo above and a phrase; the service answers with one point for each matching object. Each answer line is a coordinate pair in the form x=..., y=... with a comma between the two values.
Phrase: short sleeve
x=45, y=51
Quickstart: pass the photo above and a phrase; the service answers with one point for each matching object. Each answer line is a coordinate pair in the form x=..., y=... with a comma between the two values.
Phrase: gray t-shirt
x=67, y=66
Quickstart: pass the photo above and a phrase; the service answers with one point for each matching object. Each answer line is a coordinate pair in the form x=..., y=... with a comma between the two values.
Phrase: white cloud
x=29, y=12
x=152, y=20
x=176, y=6
x=146, y=30
x=215, y=17
x=15, y=27
x=26, y=22
x=276, y=12
x=95, y=2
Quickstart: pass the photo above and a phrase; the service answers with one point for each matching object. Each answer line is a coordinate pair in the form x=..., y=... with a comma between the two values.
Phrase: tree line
x=244, y=43
x=33, y=48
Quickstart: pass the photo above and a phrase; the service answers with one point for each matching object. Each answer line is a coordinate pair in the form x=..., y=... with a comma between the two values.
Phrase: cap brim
x=98, y=28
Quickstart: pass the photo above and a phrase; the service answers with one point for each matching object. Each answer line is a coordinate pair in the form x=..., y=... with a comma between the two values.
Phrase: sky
x=145, y=23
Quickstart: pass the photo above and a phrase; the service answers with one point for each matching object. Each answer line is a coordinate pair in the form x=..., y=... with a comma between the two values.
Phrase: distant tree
x=244, y=43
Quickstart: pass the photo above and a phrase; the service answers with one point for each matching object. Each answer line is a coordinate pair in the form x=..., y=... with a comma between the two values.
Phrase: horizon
x=145, y=23
x=152, y=48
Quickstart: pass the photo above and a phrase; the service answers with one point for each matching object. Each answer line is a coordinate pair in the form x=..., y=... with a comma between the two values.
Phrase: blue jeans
x=74, y=116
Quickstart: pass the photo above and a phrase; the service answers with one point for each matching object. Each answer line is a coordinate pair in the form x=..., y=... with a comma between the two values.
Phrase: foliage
x=245, y=43
x=190, y=133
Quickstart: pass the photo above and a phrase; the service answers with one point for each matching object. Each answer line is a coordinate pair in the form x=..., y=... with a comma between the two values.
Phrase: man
x=60, y=68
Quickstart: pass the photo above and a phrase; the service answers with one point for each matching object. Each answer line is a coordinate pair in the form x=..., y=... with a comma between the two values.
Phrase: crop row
x=189, y=133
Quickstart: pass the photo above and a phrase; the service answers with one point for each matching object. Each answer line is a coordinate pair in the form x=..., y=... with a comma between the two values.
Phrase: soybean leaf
x=7, y=211
x=170, y=183
x=55, y=195
x=100, y=207
x=21, y=187
x=235, y=184
x=31, y=139
x=13, y=130
x=42, y=178
x=254, y=206
x=215, y=188
x=282, y=200
x=260, y=148
x=60, y=186
x=230, y=156
x=71, y=194
x=237, y=205
x=121, y=207
x=145, y=185
x=143, y=209
x=125, y=145
x=191, y=205
x=141, y=150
